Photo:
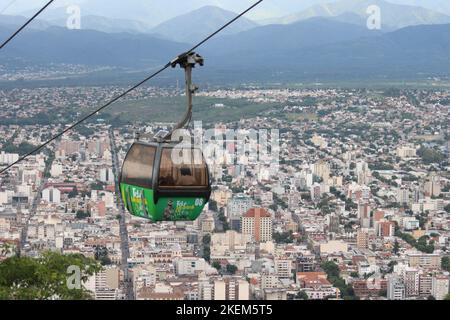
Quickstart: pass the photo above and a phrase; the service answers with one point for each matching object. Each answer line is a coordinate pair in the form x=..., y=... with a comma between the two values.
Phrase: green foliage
x=396, y=248
x=380, y=166
x=97, y=186
x=102, y=255
x=21, y=149
x=302, y=295
x=445, y=264
x=25, y=278
x=216, y=265
x=206, y=239
x=72, y=194
x=213, y=205
x=207, y=247
x=82, y=215
x=447, y=208
x=422, y=244
x=224, y=221
x=333, y=275
x=430, y=156
x=285, y=237
x=231, y=268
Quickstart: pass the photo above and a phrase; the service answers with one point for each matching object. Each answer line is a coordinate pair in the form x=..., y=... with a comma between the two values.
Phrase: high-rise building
x=283, y=267
x=424, y=260
x=106, y=175
x=411, y=281
x=440, y=287
x=432, y=187
x=425, y=284
x=257, y=222
x=231, y=289
x=364, y=214
x=362, y=239
x=105, y=284
x=239, y=205
x=406, y=151
x=208, y=224
x=403, y=195
x=396, y=288
x=51, y=195
x=385, y=228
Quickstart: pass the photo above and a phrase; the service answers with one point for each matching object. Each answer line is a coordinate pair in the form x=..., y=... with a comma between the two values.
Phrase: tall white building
x=440, y=287
x=403, y=195
x=106, y=175
x=231, y=289
x=51, y=195
x=396, y=288
x=105, y=284
x=8, y=158
x=239, y=205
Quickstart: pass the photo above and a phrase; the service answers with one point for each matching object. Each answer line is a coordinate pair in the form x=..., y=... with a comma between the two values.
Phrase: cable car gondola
x=155, y=187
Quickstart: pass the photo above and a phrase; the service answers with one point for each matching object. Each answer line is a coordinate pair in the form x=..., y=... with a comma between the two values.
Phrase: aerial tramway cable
x=169, y=64
x=26, y=23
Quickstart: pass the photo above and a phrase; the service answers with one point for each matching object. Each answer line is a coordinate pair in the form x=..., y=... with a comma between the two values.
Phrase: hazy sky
x=157, y=10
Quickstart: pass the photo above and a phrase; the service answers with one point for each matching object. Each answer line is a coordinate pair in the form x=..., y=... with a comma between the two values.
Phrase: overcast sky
x=139, y=9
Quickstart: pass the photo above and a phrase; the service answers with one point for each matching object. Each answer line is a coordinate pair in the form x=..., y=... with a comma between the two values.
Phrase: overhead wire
x=25, y=24
x=169, y=64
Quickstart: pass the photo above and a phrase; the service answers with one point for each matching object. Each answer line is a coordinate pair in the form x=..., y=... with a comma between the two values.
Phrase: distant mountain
x=108, y=25
x=266, y=40
x=442, y=6
x=197, y=24
x=156, y=12
x=310, y=49
x=16, y=21
x=407, y=52
x=89, y=47
x=393, y=16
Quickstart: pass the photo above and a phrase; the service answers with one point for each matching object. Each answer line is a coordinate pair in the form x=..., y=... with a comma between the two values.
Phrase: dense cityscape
x=356, y=207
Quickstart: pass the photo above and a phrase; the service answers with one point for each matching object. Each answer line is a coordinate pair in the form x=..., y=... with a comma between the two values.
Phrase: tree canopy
x=44, y=278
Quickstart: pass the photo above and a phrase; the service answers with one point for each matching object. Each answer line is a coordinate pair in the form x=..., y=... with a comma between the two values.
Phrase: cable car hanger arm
x=187, y=61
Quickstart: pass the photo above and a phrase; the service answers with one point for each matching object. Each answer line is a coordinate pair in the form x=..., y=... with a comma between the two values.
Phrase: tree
x=285, y=237
x=43, y=278
x=6, y=249
x=447, y=208
x=73, y=193
x=430, y=155
x=82, y=215
x=101, y=254
x=206, y=239
x=213, y=205
x=333, y=275
x=231, y=268
x=445, y=264
x=216, y=265
x=396, y=248
x=302, y=295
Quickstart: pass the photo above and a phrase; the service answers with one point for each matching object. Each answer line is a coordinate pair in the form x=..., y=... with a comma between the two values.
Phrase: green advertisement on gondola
x=140, y=203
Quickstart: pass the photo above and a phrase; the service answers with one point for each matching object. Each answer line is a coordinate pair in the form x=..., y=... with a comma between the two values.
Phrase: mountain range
x=152, y=17
x=338, y=45
x=393, y=16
